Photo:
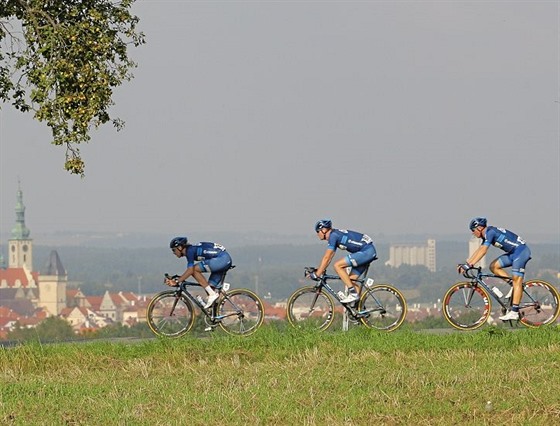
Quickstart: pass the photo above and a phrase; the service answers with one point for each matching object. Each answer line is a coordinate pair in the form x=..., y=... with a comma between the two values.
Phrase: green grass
x=283, y=377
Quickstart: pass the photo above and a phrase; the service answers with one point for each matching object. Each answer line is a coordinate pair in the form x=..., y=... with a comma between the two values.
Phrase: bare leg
x=497, y=269
x=199, y=277
x=517, y=281
x=340, y=268
x=517, y=289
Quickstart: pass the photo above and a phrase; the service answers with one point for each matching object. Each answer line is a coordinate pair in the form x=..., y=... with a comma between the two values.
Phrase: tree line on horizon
x=274, y=269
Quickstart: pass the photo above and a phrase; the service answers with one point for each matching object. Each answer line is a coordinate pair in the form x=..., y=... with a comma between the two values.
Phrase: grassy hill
x=282, y=377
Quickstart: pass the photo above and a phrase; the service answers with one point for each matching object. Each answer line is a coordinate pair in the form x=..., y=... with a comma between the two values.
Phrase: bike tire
x=539, y=305
x=241, y=312
x=385, y=306
x=310, y=309
x=169, y=314
x=466, y=306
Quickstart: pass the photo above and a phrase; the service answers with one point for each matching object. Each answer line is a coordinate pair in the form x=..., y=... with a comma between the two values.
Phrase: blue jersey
x=503, y=239
x=350, y=241
x=203, y=251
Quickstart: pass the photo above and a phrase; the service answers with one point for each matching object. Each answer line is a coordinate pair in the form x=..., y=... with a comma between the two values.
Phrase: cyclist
x=517, y=254
x=212, y=258
x=362, y=253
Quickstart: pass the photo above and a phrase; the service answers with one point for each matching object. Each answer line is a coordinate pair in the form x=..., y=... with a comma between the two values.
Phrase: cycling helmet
x=178, y=241
x=325, y=223
x=476, y=222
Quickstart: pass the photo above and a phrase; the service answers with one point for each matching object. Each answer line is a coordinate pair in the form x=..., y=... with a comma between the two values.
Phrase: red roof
x=117, y=300
x=71, y=292
x=65, y=312
x=12, y=275
x=4, y=321
x=271, y=311
x=95, y=302
x=128, y=296
x=30, y=321
x=8, y=313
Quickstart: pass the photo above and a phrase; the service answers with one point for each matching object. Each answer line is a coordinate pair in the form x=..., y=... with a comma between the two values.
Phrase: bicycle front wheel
x=466, y=306
x=383, y=308
x=170, y=314
x=310, y=308
x=539, y=305
x=240, y=312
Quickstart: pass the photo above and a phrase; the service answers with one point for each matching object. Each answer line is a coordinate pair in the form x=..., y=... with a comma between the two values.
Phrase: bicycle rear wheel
x=170, y=314
x=466, y=306
x=240, y=312
x=539, y=305
x=384, y=306
x=310, y=308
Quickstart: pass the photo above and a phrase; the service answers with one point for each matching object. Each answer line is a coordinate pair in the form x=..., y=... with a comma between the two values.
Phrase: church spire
x=20, y=231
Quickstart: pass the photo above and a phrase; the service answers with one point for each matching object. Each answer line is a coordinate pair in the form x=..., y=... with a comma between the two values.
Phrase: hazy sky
x=386, y=116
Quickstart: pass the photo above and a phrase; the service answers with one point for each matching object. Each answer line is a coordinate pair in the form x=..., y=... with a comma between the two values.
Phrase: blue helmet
x=324, y=223
x=178, y=242
x=476, y=222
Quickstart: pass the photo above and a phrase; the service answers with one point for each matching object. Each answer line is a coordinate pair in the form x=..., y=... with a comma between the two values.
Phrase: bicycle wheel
x=170, y=314
x=384, y=307
x=310, y=308
x=466, y=306
x=240, y=312
x=539, y=305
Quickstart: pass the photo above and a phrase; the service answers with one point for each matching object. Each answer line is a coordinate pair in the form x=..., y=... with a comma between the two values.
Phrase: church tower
x=20, y=246
x=52, y=285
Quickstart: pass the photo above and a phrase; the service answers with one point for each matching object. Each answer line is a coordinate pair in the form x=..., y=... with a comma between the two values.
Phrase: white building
x=474, y=244
x=409, y=254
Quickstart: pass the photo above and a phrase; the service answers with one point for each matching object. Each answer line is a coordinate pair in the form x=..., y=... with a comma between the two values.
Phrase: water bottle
x=200, y=300
x=497, y=291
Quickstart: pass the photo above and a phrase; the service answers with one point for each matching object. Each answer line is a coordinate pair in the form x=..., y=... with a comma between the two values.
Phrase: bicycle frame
x=211, y=312
x=323, y=284
x=479, y=280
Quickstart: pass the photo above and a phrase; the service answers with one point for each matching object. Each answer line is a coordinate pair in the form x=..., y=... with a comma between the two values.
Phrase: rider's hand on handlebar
x=463, y=267
x=171, y=281
x=313, y=276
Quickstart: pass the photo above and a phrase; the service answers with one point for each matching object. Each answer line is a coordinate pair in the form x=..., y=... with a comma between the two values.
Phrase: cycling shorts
x=517, y=259
x=360, y=260
x=217, y=266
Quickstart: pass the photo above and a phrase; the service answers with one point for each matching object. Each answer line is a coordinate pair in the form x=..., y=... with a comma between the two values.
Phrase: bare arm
x=477, y=255
x=327, y=257
x=188, y=273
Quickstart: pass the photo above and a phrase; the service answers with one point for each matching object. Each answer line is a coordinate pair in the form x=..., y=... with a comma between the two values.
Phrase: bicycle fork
x=177, y=297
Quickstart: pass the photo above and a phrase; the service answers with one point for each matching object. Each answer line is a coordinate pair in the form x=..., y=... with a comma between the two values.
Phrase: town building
x=474, y=244
x=410, y=254
x=27, y=296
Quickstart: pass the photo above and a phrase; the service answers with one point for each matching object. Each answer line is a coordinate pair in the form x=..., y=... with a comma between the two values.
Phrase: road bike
x=171, y=313
x=467, y=305
x=380, y=306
